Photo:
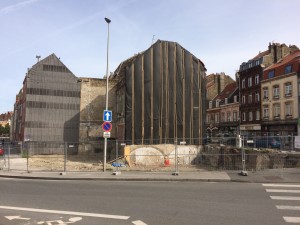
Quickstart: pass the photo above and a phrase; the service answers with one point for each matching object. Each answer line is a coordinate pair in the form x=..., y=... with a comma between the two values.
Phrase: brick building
x=222, y=115
x=250, y=75
x=215, y=83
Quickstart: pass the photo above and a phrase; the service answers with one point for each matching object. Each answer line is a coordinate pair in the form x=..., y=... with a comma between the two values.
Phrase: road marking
x=285, y=198
x=71, y=220
x=291, y=219
x=282, y=191
x=281, y=185
x=67, y=212
x=16, y=218
x=288, y=207
x=138, y=222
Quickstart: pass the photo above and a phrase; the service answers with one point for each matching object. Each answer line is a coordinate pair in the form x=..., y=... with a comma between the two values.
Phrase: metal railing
x=88, y=156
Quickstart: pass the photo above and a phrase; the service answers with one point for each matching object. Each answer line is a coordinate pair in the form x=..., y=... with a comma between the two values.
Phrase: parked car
x=268, y=142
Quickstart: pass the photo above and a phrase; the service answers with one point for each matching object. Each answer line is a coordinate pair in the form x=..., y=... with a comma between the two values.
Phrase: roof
x=121, y=68
x=285, y=60
x=227, y=92
x=261, y=54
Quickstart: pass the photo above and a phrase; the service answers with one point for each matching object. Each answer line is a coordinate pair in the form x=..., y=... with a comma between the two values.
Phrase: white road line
x=67, y=212
x=138, y=222
x=281, y=185
x=282, y=191
x=288, y=207
x=285, y=198
x=291, y=219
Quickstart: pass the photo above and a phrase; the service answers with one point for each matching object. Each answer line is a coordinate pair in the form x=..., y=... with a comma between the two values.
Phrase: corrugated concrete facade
x=51, y=107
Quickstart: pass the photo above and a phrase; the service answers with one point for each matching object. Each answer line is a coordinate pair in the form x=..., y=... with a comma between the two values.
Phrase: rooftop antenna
x=153, y=39
x=38, y=57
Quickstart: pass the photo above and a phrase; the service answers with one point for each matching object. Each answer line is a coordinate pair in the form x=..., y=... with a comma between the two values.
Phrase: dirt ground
x=86, y=163
x=57, y=163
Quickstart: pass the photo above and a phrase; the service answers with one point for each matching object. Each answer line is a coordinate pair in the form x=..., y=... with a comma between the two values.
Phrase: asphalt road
x=140, y=203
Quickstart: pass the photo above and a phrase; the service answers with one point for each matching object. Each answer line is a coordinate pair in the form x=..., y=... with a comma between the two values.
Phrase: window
x=244, y=116
x=288, y=69
x=276, y=91
x=235, y=98
x=208, y=118
x=249, y=81
x=257, y=79
x=250, y=116
x=266, y=93
x=288, y=89
x=210, y=104
x=271, y=74
x=276, y=110
x=217, y=117
x=234, y=115
x=257, y=115
x=243, y=99
x=256, y=96
x=243, y=83
x=217, y=102
x=265, y=111
x=250, y=98
x=222, y=117
x=228, y=116
x=226, y=100
x=288, y=109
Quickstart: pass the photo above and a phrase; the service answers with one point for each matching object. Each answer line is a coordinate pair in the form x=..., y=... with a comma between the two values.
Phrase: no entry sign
x=107, y=126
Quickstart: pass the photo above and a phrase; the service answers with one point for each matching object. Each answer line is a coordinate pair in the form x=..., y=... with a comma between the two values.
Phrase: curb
x=116, y=178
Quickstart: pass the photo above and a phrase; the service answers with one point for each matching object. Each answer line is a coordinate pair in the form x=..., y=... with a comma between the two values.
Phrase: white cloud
x=14, y=7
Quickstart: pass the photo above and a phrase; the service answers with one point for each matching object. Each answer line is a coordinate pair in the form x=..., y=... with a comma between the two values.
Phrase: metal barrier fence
x=88, y=156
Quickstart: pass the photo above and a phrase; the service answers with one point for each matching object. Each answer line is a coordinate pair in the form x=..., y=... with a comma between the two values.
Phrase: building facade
x=46, y=112
x=161, y=96
x=280, y=101
x=215, y=83
x=250, y=76
x=223, y=112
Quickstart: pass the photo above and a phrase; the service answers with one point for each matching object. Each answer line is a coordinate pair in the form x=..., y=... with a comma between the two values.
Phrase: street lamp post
x=106, y=104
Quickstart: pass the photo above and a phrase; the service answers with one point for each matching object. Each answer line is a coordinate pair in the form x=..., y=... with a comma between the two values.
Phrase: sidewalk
x=266, y=176
x=208, y=176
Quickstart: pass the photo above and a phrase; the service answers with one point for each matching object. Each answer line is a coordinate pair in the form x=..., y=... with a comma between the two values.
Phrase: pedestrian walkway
x=266, y=176
x=209, y=176
x=286, y=198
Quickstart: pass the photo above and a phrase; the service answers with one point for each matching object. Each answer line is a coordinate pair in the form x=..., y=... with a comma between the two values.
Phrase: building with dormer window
x=250, y=76
x=280, y=91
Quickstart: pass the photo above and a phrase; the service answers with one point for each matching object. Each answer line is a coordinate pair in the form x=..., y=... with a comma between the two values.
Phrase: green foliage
x=4, y=130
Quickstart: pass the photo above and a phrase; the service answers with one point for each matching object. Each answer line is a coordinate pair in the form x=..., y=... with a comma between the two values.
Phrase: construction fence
x=226, y=154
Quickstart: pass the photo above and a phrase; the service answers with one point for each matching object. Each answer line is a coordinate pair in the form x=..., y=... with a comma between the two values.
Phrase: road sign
x=107, y=115
x=106, y=126
x=106, y=134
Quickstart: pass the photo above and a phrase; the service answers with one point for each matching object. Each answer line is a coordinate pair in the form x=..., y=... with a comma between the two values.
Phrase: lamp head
x=107, y=20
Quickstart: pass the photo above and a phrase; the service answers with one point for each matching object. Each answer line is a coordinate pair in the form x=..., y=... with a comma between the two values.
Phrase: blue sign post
x=107, y=116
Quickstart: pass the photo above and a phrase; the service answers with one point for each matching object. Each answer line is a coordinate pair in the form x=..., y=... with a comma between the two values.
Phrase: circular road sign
x=107, y=126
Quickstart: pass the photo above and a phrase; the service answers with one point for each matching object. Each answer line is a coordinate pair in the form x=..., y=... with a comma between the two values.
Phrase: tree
x=6, y=129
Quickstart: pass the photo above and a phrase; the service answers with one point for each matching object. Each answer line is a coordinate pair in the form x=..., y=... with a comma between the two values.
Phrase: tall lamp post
x=106, y=105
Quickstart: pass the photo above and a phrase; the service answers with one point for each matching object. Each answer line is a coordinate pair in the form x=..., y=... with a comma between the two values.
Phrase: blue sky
x=222, y=33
